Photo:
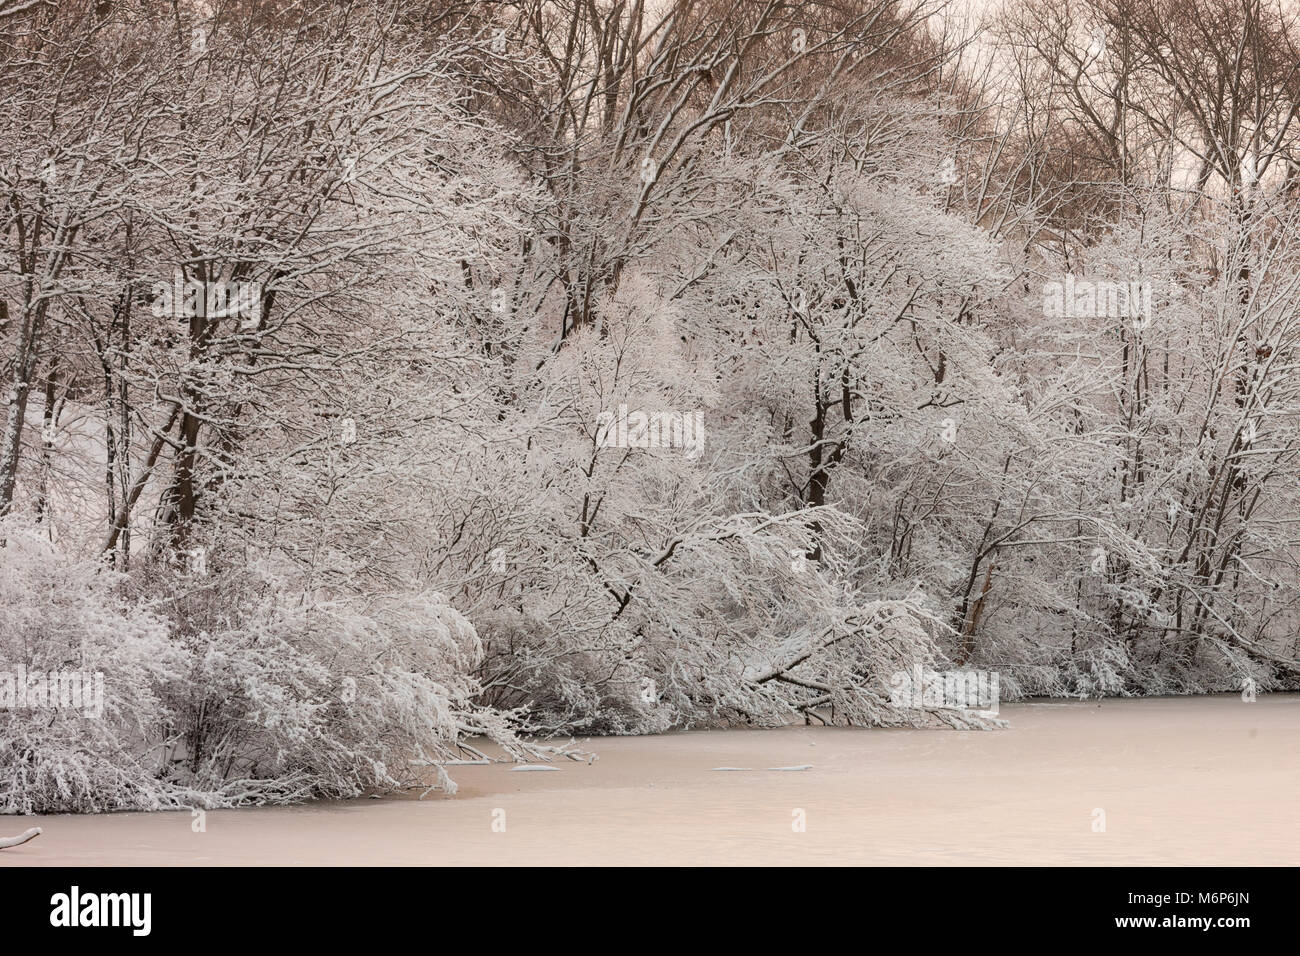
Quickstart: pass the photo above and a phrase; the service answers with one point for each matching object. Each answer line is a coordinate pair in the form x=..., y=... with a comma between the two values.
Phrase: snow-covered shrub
x=239, y=689
x=68, y=615
x=290, y=696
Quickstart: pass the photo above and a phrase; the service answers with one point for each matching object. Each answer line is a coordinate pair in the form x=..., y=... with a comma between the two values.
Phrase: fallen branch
x=20, y=838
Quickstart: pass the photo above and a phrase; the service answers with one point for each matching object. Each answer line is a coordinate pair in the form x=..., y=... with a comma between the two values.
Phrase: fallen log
x=20, y=838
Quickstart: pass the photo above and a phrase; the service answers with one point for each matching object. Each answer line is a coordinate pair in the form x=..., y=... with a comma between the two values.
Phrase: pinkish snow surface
x=1180, y=780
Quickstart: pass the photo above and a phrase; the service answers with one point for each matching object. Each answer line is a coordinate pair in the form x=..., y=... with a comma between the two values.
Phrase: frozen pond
x=1180, y=781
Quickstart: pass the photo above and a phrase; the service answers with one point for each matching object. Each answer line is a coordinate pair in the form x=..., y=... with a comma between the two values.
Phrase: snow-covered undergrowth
x=258, y=697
